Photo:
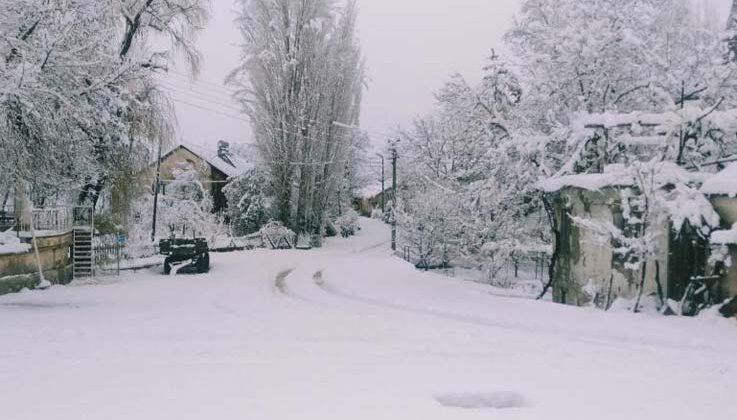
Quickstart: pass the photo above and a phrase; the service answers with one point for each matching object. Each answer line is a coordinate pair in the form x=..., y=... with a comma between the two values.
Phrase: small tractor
x=193, y=252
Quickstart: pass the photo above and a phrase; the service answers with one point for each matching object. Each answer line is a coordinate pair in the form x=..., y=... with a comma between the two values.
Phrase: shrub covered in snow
x=377, y=214
x=347, y=224
x=278, y=236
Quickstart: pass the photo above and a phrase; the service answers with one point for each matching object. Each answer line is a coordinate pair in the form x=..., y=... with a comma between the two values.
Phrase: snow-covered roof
x=233, y=167
x=723, y=183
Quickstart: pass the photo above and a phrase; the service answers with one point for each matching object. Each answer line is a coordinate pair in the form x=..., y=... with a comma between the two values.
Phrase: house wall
x=173, y=160
x=18, y=271
x=205, y=170
x=587, y=271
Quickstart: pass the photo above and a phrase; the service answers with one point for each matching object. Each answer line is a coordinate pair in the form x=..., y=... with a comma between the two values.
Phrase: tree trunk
x=552, y=220
x=642, y=287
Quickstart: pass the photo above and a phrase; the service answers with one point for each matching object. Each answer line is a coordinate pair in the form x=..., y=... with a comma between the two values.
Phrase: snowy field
x=347, y=332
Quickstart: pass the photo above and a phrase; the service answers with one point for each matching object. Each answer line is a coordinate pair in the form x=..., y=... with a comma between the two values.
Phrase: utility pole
x=395, y=156
x=156, y=193
x=681, y=134
x=383, y=189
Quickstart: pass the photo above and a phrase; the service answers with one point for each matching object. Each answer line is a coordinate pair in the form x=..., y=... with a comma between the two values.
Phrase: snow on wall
x=723, y=183
x=10, y=244
x=725, y=237
x=619, y=176
x=590, y=182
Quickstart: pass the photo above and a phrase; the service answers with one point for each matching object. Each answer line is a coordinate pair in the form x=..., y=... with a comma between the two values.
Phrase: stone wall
x=18, y=271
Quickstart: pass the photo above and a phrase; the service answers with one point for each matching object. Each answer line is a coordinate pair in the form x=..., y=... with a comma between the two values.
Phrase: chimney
x=224, y=152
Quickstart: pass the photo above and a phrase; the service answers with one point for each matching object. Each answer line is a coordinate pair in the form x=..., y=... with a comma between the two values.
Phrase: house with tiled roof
x=216, y=168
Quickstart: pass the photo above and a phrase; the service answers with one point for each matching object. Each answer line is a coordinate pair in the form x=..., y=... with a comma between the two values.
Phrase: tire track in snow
x=280, y=282
x=370, y=248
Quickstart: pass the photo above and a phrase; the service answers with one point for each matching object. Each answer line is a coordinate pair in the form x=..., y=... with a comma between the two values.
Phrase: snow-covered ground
x=347, y=332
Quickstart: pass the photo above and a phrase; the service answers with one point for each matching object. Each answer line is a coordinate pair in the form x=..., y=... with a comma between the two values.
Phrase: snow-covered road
x=347, y=332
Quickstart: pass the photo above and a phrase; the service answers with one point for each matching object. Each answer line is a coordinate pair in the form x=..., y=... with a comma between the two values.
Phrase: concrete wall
x=727, y=209
x=728, y=285
x=18, y=271
x=586, y=260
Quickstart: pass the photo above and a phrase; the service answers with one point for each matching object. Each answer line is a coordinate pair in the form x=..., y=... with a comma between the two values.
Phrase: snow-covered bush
x=377, y=214
x=250, y=205
x=430, y=226
x=278, y=236
x=347, y=224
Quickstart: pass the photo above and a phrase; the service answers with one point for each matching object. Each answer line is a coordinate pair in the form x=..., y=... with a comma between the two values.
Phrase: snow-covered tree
x=300, y=82
x=250, y=202
x=467, y=193
x=78, y=109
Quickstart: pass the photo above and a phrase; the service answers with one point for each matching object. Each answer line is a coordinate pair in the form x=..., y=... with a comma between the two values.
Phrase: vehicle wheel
x=167, y=266
x=203, y=264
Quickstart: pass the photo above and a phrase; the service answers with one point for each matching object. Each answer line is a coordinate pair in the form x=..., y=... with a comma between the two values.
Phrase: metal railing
x=52, y=220
x=7, y=221
x=112, y=257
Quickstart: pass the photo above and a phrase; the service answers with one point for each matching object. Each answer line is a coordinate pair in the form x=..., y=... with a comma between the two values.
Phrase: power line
x=200, y=81
x=225, y=114
x=197, y=88
x=194, y=95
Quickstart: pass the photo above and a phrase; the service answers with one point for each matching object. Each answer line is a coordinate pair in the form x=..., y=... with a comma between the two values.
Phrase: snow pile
x=347, y=224
x=723, y=183
x=10, y=244
x=725, y=237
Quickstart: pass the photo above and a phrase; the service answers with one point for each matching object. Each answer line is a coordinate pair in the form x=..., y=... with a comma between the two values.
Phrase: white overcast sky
x=411, y=46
